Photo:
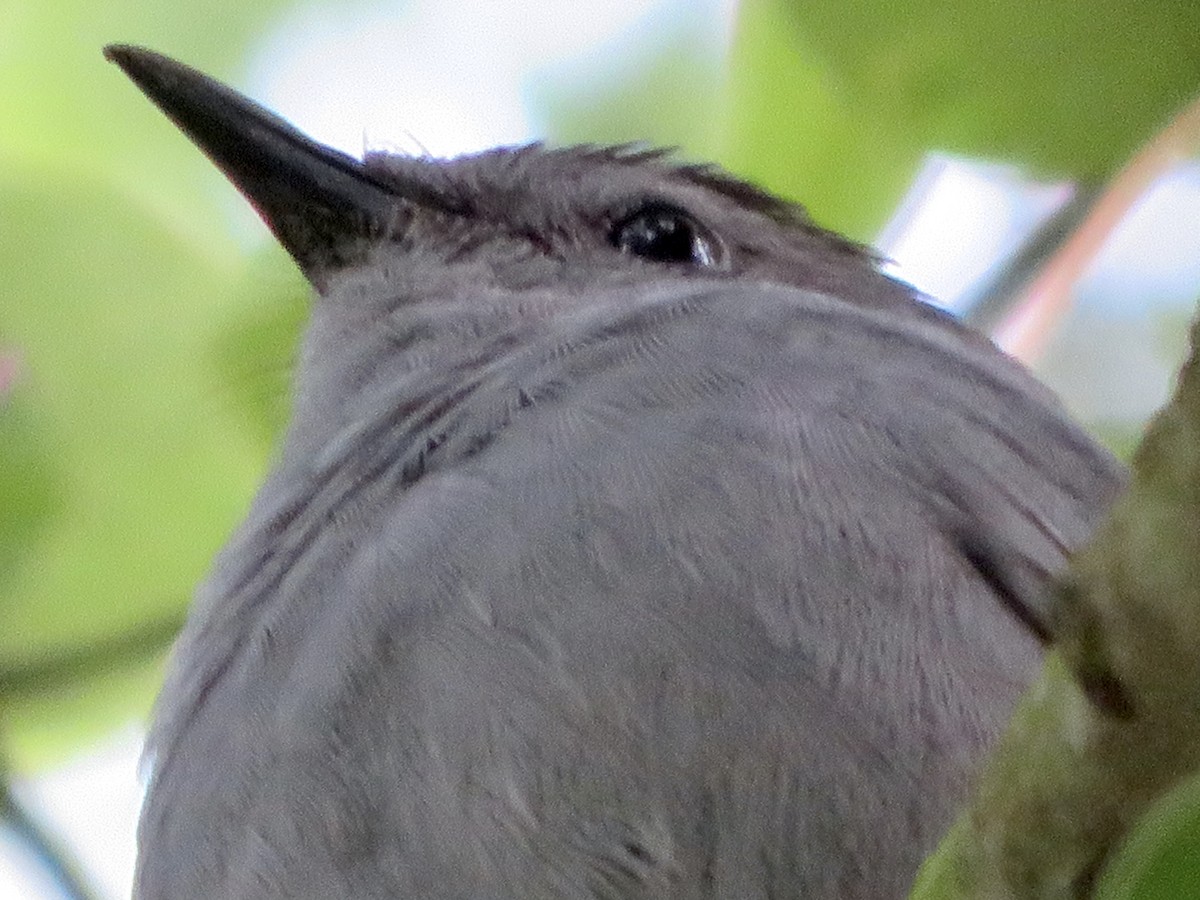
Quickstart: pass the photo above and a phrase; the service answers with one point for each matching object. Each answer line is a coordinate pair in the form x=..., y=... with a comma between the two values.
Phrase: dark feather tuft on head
x=711, y=178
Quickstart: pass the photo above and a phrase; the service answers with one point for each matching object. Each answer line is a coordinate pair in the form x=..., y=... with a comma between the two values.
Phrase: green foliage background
x=154, y=351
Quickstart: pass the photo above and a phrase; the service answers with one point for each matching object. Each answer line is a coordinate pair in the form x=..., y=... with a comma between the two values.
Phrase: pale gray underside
x=705, y=596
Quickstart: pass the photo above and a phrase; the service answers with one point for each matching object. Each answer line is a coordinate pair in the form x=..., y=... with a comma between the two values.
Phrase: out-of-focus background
x=1031, y=163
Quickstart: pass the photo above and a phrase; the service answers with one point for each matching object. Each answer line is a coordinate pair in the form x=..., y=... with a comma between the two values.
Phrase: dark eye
x=665, y=234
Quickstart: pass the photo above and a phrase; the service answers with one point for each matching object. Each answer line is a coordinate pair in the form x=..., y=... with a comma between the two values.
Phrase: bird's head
x=520, y=218
x=426, y=269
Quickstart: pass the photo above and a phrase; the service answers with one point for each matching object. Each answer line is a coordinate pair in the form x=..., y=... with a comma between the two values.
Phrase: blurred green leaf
x=125, y=463
x=668, y=94
x=835, y=102
x=1160, y=859
x=31, y=488
x=117, y=321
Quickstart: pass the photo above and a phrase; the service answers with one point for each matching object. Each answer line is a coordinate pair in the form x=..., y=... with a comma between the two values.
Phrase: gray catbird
x=633, y=537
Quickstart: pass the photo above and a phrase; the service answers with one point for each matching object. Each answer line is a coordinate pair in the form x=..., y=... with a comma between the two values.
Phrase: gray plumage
x=587, y=575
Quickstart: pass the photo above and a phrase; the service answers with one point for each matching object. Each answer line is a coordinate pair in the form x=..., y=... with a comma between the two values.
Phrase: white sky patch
x=92, y=802
x=959, y=219
x=1154, y=254
x=20, y=879
x=446, y=77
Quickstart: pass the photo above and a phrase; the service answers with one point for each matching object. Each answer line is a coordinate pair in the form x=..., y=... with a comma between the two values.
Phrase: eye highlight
x=663, y=233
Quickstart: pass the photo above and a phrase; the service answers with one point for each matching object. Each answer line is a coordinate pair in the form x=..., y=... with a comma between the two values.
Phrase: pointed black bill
x=321, y=204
